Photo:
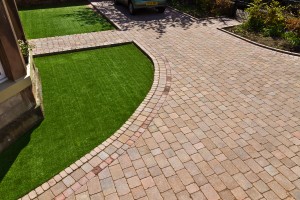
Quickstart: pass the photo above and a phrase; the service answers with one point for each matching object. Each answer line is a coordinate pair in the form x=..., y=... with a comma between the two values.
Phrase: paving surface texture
x=227, y=128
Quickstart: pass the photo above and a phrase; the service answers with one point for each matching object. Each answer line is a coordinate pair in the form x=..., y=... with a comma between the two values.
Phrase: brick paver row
x=222, y=123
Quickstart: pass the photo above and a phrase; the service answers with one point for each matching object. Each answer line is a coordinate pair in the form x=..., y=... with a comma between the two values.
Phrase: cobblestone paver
x=228, y=126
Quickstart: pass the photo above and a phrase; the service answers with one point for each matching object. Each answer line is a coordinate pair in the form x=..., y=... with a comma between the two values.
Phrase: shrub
x=293, y=25
x=223, y=7
x=205, y=5
x=25, y=47
x=294, y=9
x=273, y=31
x=255, y=20
x=292, y=38
x=274, y=20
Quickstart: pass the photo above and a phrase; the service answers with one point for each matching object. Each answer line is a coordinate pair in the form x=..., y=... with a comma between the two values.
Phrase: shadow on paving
x=149, y=19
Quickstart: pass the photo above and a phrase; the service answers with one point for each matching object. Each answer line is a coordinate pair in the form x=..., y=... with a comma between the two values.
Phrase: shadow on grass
x=87, y=17
x=8, y=156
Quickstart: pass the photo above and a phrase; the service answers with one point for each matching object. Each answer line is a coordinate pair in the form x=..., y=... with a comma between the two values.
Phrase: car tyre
x=161, y=9
x=131, y=8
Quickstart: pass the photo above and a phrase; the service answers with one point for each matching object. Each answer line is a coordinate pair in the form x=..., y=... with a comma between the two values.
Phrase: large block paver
x=229, y=127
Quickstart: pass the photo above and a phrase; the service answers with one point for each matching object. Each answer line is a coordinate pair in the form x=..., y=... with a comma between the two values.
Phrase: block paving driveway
x=228, y=129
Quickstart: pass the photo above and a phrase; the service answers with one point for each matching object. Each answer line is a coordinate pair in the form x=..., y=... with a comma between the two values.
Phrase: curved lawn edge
x=104, y=154
x=257, y=44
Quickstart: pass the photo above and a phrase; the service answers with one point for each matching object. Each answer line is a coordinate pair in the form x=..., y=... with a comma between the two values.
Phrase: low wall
x=23, y=117
x=22, y=110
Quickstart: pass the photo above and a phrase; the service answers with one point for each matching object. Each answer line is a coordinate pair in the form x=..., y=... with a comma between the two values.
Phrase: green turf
x=88, y=95
x=63, y=19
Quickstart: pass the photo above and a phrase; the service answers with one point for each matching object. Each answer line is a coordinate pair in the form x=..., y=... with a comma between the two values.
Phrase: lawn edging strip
x=257, y=44
x=104, y=154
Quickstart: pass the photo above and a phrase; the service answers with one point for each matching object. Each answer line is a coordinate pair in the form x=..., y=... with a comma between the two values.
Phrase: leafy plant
x=25, y=47
x=273, y=31
x=205, y=5
x=275, y=14
x=294, y=9
x=293, y=25
x=255, y=20
x=274, y=20
x=223, y=7
x=292, y=38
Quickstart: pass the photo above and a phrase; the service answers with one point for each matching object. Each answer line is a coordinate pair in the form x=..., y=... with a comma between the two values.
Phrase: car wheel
x=131, y=8
x=161, y=9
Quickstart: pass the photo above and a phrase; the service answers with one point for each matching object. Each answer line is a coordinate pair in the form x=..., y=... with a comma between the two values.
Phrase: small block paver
x=94, y=186
x=209, y=192
x=147, y=182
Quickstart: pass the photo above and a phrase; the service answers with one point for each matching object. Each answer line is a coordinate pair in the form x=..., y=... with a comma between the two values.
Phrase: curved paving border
x=66, y=182
x=257, y=44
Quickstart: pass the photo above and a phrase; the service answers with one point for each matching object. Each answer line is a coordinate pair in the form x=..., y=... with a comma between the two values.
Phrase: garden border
x=196, y=18
x=257, y=44
x=117, y=143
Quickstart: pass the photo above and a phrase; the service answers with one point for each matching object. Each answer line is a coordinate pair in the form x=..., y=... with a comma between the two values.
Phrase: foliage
x=274, y=19
x=273, y=31
x=223, y=7
x=294, y=9
x=292, y=38
x=293, y=25
x=255, y=20
x=275, y=14
x=205, y=5
x=204, y=8
x=25, y=47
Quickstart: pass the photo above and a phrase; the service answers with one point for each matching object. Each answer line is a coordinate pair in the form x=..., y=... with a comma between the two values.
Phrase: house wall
x=19, y=111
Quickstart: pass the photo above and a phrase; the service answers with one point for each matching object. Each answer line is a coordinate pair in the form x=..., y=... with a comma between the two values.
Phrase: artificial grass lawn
x=88, y=95
x=62, y=19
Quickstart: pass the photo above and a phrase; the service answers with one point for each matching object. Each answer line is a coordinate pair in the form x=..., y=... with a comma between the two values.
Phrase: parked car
x=133, y=5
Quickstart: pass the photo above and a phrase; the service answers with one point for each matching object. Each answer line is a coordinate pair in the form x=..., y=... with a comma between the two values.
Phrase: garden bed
x=271, y=25
x=88, y=95
x=278, y=43
x=204, y=8
x=61, y=19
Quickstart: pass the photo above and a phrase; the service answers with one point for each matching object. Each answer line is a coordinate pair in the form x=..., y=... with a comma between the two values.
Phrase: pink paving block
x=60, y=197
x=83, y=180
x=76, y=186
x=68, y=192
x=90, y=175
